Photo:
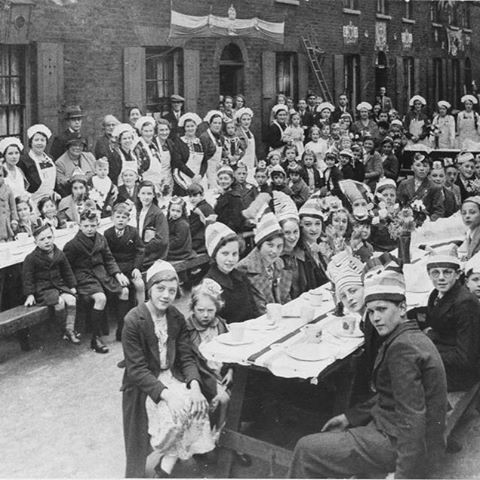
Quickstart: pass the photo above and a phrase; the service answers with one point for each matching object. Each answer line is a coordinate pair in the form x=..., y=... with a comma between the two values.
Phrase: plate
x=260, y=326
x=308, y=352
x=226, y=338
x=336, y=329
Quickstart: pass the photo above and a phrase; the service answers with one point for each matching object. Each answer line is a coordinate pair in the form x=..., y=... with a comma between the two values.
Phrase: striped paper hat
x=284, y=207
x=312, y=208
x=267, y=227
x=385, y=285
x=345, y=270
x=215, y=233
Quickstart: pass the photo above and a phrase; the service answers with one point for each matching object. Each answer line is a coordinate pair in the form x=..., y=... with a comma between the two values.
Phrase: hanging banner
x=407, y=39
x=455, y=41
x=183, y=26
x=350, y=34
x=381, y=36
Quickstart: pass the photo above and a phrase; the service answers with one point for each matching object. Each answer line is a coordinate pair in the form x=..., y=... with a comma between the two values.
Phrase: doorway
x=231, y=71
x=381, y=76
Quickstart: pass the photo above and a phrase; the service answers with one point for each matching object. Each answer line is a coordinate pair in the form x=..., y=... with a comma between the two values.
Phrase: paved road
x=61, y=416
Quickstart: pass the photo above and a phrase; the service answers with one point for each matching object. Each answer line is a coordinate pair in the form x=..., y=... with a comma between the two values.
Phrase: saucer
x=227, y=339
x=308, y=352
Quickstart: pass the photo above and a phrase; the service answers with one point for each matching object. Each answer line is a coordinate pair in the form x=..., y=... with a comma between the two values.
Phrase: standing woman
x=163, y=405
x=240, y=102
x=243, y=117
x=264, y=267
x=38, y=167
x=212, y=143
x=134, y=114
x=364, y=126
x=274, y=135
x=152, y=226
x=416, y=122
x=223, y=248
x=10, y=149
x=443, y=127
x=468, y=124
x=123, y=156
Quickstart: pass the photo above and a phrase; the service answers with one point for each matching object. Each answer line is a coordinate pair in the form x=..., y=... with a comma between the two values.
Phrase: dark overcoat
x=46, y=277
x=311, y=275
x=157, y=247
x=428, y=192
x=229, y=208
x=93, y=264
x=142, y=368
x=455, y=323
x=180, y=240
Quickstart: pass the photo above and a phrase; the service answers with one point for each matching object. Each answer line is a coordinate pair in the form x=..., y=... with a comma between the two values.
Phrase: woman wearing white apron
x=212, y=144
x=416, y=122
x=243, y=117
x=38, y=167
x=443, y=127
x=10, y=149
x=190, y=150
x=123, y=155
x=275, y=130
x=468, y=125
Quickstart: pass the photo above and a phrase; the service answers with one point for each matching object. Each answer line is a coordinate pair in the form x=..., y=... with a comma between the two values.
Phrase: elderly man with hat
x=453, y=314
x=420, y=187
x=401, y=428
x=175, y=112
x=73, y=162
x=73, y=119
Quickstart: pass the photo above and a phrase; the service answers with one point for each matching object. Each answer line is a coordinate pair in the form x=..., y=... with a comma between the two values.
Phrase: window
x=287, y=79
x=382, y=7
x=350, y=4
x=465, y=14
x=164, y=76
x=467, y=70
x=407, y=13
x=452, y=14
x=352, y=79
x=434, y=12
x=438, y=79
x=12, y=90
x=408, y=78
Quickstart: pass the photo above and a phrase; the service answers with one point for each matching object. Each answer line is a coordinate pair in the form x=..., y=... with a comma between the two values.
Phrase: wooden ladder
x=316, y=57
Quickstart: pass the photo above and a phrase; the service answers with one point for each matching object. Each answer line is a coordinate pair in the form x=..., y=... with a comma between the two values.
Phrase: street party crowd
x=330, y=201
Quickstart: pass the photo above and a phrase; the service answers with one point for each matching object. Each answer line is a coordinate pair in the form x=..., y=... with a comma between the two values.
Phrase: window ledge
x=350, y=11
x=288, y=2
x=467, y=30
x=382, y=16
x=411, y=21
x=437, y=25
x=453, y=27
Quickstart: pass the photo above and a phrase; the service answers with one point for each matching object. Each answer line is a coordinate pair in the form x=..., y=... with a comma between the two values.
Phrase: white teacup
x=307, y=313
x=313, y=333
x=237, y=331
x=274, y=313
x=22, y=237
x=316, y=298
x=349, y=324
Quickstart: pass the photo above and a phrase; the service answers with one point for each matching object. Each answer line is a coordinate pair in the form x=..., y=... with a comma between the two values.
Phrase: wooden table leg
x=234, y=413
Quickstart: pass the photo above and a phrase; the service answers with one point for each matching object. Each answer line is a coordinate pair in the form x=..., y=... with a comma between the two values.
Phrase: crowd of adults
x=317, y=207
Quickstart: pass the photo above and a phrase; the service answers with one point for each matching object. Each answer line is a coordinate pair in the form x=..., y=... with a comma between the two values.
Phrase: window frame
x=408, y=77
x=352, y=78
x=290, y=58
x=408, y=9
x=382, y=7
x=351, y=4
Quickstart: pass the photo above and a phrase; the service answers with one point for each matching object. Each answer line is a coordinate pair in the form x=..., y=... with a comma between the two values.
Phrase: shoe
x=243, y=459
x=70, y=336
x=97, y=346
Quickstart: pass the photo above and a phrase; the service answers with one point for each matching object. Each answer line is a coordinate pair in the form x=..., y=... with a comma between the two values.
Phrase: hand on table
x=30, y=301
x=336, y=424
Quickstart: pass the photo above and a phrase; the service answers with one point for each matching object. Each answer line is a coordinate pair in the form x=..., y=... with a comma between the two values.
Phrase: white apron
x=48, y=175
x=194, y=163
x=250, y=158
x=416, y=129
x=213, y=163
x=278, y=150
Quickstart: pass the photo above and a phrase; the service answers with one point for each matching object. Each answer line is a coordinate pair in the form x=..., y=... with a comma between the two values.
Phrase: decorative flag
x=182, y=26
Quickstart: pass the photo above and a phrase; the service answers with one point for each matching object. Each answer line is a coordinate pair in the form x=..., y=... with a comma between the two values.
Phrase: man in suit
x=311, y=99
x=176, y=103
x=104, y=145
x=401, y=428
x=384, y=101
x=453, y=323
x=420, y=187
x=341, y=108
x=306, y=117
x=73, y=119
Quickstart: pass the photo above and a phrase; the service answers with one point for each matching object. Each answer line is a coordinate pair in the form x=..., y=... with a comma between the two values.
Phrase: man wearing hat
x=420, y=187
x=174, y=114
x=73, y=119
x=401, y=428
x=453, y=324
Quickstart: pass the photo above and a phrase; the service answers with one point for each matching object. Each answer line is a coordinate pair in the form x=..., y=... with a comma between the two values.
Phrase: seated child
x=346, y=157
x=471, y=219
x=357, y=163
x=102, y=190
x=26, y=218
x=96, y=272
x=261, y=177
x=180, y=246
x=279, y=180
x=294, y=134
x=201, y=211
x=290, y=156
x=438, y=177
x=8, y=216
x=319, y=146
x=129, y=188
x=128, y=251
x=332, y=174
x=232, y=146
x=48, y=213
x=310, y=173
x=273, y=159
x=48, y=279
x=300, y=191
x=247, y=191
x=204, y=325
x=229, y=204
x=361, y=231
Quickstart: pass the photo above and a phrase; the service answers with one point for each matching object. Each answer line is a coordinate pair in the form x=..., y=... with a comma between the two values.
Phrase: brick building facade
x=108, y=55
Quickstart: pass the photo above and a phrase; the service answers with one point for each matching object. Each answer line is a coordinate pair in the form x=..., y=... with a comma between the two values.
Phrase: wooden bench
x=190, y=263
x=461, y=402
x=20, y=318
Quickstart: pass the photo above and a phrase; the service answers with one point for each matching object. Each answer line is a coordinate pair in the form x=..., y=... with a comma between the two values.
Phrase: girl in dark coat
x=201, y=210
x=180, y=239
x=96, y=271
x=48, y=279
x=229, y=204
x=223, y=247
x=152, y=225
x=161, y=381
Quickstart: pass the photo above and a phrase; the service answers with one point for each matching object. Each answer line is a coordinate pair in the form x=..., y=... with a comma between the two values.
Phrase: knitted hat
x=267, y=226
x=8, y=142
x=443, y=261
x=142, y=121
x=38, y=128
x=364, y=106
x=241, y=112
x=345, y=270
x=311, y=208
x=416, y=98
x=284, y=207
x=473, y=265
x=160, y=270
x=277, y=169
x=385, y=285
x=469, y=98
x=346, y=153
x=189, y=116
x=212, y=113
x=215, y=233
